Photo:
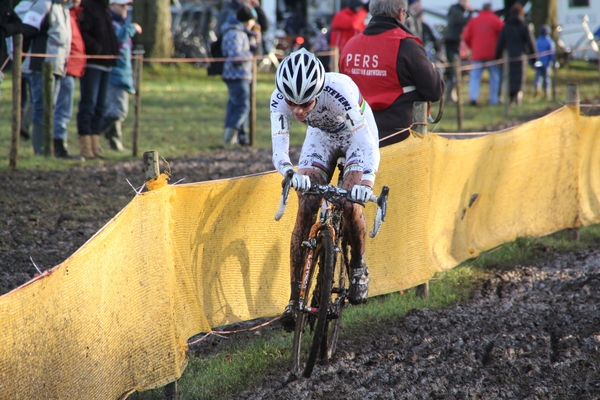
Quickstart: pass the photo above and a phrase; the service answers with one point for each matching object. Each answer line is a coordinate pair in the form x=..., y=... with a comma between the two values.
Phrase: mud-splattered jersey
x=340, y=124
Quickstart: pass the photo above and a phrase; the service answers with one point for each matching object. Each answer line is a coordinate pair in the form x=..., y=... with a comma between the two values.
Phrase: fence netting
x=182, y=259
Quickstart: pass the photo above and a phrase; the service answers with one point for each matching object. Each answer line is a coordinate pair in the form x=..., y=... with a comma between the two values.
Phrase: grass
x=183, y=113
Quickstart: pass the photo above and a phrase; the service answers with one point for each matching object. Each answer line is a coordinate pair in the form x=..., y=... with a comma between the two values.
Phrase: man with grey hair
x=391, y=68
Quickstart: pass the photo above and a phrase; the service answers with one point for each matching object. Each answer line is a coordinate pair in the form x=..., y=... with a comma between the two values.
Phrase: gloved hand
x=361, y=193
x=300, y=182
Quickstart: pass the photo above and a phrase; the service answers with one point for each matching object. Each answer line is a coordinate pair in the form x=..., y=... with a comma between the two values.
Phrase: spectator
x=120, y=83
x=100, y=40
x=517, y=39
x=481, y=35
x=415, y=23
x=417, y=26
x=229, y=9
x=64, y=102
x=46, y=30
x=347, y=22
x=260, y=28
x=391, y=69
x=10, y=24
x=458, y=16
x=546, y=49
x=237, y=74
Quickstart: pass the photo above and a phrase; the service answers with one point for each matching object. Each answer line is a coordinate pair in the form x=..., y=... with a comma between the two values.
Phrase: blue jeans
x=475, y=81
x=94, y=101
x=238, y=105
x=542, y=78
x=37, y=98
x=64, y=107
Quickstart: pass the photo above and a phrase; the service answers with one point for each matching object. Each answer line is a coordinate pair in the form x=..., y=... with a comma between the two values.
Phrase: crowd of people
x=77, y=36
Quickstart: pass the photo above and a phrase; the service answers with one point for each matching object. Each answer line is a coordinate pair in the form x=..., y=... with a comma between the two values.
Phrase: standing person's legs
x=449, y=78
x=62, y=115
x=37, y=101
x=475, y=81
x=547, y=85
x=89, y=85
x=118, y=108
x=495, y=74
x=238, y=108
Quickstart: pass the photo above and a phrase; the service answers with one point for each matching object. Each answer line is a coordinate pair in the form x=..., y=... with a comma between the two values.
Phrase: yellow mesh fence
x=180, y=259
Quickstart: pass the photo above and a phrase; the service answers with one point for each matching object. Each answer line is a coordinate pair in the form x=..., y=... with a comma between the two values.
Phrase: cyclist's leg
x=356, y=233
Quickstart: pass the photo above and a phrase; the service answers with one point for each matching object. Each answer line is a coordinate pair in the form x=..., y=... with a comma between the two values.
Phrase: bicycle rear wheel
x=338, y=297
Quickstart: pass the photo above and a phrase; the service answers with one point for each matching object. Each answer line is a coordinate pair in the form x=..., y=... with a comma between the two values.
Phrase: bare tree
x=544, y=12
x=155, y=18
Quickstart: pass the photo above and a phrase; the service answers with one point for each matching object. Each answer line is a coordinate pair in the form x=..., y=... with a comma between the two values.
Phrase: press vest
x=371, y=62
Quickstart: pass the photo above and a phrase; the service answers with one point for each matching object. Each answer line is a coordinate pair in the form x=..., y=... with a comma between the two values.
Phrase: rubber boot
x=116, y=137
x=229, y=136
x=61, y=151
x=96, y=148
x=27, y=115
x=37, y=139
x=85, y=146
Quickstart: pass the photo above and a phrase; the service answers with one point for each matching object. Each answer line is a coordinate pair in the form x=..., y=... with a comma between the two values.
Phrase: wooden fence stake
x=457, y=85
x=505, y=83
x=137, y=111
x=48, y=85
x=572, y=101
x=420, y=113
x=252, y=116
x=16, y=100
x=151, y=165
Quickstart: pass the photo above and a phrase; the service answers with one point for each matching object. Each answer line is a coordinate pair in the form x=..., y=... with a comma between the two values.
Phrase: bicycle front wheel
x=325, y=262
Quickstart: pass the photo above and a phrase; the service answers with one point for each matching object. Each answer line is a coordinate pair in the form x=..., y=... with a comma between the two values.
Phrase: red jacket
x=76, y=65
x=481, y=34
x=345, y=24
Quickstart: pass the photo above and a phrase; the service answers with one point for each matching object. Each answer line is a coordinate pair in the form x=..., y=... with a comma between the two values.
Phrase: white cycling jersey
x=340, y=125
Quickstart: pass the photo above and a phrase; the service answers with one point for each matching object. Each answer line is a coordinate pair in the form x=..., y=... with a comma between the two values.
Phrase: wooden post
x=171, y=391
x=506, y=83
x=555, y=78
x=335, y=67
x=137, y=110
x=420, y=113
x=16, y=100
x=572, y=95
x=48, y=99
x=151, y=165
x=573, y=101
x=458, y=76
x=252, y=116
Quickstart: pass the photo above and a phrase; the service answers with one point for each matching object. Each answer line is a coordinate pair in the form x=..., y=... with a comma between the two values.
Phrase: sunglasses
x=303, y=105
x=406, y=14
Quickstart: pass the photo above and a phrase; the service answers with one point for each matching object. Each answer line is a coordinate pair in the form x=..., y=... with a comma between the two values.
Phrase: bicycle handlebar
x=331, y=192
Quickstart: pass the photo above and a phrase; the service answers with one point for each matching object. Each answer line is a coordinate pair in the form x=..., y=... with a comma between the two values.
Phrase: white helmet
x=300, y=77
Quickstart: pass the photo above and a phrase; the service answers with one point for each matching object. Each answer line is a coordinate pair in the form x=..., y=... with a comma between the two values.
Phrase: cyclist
x=339, y=124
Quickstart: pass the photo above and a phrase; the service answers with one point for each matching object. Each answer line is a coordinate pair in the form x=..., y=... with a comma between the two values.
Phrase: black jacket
x=10, y=24
x=95, y=23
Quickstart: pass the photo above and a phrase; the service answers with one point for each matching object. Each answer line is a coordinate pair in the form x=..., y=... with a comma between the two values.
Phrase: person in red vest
x=481, y=35
x=391, y=68
x=347, y=23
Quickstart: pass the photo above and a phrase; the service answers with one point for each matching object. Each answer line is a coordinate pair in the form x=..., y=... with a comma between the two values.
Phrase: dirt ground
x=531, y=332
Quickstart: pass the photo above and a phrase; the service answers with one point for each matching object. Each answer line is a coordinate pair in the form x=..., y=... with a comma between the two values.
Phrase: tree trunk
x=154, y=16
x=544, y=12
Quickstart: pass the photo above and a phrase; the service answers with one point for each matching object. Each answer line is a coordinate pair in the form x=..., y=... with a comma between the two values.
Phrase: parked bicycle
x=324, y=285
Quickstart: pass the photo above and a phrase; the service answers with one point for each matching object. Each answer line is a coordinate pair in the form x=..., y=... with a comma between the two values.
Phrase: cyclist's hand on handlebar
x=361, y=193
x=300, y=182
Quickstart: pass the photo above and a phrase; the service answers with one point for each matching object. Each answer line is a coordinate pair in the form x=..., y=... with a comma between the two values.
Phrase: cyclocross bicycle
x=322, y=300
